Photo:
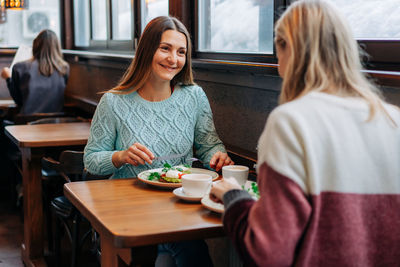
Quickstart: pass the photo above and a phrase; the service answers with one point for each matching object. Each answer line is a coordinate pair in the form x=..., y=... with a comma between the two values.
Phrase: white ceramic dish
x=180, y=194
x=143, y=176
x=211, y=205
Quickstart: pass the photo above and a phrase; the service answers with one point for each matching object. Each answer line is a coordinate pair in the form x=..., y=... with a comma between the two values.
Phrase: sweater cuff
x=233, y=196
x=108, y=164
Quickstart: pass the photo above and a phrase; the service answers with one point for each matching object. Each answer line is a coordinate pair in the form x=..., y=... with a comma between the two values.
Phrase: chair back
x=57, y=120
x=70, y=165
x=25, y=118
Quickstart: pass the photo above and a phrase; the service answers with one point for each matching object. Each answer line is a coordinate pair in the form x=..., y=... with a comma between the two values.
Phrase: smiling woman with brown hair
x=155, y=110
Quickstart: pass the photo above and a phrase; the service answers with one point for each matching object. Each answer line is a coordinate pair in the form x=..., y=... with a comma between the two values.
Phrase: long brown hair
x=46, y=49
x=324, y=55
x=140, y=68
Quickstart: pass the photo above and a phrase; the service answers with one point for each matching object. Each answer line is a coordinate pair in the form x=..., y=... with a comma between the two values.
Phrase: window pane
x=152, y=9
x=81, y=22
x=372, y=19
x=99, y=20
x=21, y=27
x=237, y=26
x=121, y=19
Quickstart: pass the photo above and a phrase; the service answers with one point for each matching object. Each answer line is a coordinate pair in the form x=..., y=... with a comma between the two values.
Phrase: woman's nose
x=172, y=58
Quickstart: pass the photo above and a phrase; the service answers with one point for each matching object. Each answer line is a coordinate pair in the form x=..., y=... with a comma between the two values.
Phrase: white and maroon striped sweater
x=329, y=184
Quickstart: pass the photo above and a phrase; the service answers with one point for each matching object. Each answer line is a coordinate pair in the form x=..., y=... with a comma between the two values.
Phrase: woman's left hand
x=220, y=159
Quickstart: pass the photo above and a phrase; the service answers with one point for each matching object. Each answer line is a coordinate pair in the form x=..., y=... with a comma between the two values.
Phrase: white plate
x=211, y=205
x=143, y=176
x=180, y=194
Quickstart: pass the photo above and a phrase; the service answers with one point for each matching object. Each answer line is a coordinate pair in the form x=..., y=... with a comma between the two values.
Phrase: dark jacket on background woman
x=34, y=92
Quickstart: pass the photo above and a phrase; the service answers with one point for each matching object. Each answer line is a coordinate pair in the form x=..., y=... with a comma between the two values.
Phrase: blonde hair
x=324, y=55
x=140, y=68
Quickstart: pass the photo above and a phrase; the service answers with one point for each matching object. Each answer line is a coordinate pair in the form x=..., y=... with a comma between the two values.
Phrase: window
x=121, y=20
x=372, y=19
x=236, y=30
x=22, y=26
x=110, y=24
x=236, y=26
x=81, y=22
x=103, y=24
x=99, y=20
x=152, y=9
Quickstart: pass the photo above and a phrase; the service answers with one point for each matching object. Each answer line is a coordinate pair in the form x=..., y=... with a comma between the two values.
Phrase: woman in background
x=37, y=85
x=156, y=110
x=328, y=159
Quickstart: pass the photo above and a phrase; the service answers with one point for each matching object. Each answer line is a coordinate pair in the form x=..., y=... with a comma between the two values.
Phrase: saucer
x=180, y=194
x=211, y=205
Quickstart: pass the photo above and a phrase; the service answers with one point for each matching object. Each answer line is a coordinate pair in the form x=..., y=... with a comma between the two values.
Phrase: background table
x=7, y=103
x=33, y=141
x=128, y=213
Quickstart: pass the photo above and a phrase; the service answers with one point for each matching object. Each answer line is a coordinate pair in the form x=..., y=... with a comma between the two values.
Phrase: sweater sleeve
x=266, y=232
x=101, y=142
x=206, y=140
x=13, y=85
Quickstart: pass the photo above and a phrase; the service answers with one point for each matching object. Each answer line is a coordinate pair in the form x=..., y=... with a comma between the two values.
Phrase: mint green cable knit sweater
x=171, y=126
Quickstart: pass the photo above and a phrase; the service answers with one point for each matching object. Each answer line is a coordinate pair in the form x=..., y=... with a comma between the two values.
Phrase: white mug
x=196, y=184
x=239, y=172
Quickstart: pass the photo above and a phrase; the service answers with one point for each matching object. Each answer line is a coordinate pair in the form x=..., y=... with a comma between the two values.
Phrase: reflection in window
x=237, y=26
x=372, y=19
x=99, y=20
x=121, y=19
x=152, y=9
x=22, y=26
x=81, y=22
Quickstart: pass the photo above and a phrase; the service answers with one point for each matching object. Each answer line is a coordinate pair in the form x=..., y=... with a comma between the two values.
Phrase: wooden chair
x=24, y=119
x=70, y=167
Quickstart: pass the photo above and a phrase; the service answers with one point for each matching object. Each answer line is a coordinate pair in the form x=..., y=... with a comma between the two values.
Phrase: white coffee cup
x=239, y=172
x=196, y=184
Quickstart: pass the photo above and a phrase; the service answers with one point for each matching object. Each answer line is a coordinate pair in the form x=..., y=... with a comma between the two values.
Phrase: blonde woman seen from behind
x=328, y=160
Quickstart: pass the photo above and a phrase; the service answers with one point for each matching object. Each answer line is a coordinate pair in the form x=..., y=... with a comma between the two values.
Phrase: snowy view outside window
x=152, y=9
x=372, y=19
x=245, y=26
x=236, y=26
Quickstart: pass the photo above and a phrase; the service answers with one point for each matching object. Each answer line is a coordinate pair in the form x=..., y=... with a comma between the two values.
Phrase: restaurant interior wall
x=241, y=100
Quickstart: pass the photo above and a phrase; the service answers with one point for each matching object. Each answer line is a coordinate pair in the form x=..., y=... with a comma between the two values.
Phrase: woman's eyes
x=179, y=52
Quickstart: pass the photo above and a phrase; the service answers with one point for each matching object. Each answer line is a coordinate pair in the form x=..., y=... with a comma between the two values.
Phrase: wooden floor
x=11, y=227
x=10, y=236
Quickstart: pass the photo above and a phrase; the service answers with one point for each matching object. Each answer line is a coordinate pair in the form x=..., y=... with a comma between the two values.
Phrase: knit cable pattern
x=171, y=126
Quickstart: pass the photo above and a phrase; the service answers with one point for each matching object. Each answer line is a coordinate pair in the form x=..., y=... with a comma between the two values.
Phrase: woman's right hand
x=136, y=154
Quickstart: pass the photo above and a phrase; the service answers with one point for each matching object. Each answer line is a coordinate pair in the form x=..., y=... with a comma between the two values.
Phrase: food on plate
x=170, y=174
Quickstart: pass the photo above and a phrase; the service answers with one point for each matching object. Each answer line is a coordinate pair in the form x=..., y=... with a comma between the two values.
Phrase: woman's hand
x=220, y=159
x=137, y=154
x=219, y=188
x=6, y=73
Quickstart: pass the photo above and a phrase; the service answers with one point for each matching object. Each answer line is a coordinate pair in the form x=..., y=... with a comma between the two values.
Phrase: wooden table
x=33, y=141
x=128, y=213
x=7, y=103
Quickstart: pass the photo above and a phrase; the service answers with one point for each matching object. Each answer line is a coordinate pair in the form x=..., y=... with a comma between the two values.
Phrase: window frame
x=383, y=54
x=236, y=57
x=121, y=46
